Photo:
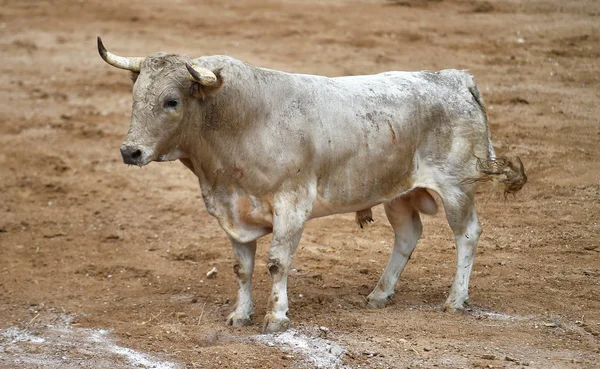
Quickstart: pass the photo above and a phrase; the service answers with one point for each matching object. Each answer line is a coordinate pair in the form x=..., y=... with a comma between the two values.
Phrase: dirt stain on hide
x=366, y=136
x=254, y=212
x=236, y=269
x=238, y=172
x=392, y=132
x=373, y=118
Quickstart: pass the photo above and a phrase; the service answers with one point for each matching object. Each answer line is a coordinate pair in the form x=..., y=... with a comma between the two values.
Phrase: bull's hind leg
x=462, y=217
x=406, y=222
x=244, y=254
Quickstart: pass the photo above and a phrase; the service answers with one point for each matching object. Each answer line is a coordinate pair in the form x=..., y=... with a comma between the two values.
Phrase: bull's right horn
x=204, y=76
x=133, y=64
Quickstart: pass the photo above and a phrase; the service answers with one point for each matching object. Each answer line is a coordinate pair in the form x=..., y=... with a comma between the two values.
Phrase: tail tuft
x=501, y=170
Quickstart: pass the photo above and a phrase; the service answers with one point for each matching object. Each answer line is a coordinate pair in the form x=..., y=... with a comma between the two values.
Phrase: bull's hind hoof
x=239, y=320
x=452, y=306
x=273, y=324
x=379, y=302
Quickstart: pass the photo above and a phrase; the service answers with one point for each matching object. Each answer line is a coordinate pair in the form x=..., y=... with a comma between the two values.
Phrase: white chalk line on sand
x=135, y=357
x=319, y=352
x=63, y=346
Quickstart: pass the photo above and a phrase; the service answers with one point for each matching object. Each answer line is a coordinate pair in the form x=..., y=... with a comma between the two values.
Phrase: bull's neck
x=224, y=117
x=220, y=124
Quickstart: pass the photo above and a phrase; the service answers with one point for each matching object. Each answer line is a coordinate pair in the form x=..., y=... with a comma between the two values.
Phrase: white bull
x=273, y=150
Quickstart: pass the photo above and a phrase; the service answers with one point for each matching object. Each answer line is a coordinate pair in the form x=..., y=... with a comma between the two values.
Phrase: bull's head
x=166, y=92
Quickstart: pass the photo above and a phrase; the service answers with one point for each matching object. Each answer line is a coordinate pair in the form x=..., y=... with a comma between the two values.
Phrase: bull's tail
x=501, y=169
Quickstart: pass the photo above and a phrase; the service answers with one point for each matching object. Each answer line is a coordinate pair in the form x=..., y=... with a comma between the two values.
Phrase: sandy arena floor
x=103, y=265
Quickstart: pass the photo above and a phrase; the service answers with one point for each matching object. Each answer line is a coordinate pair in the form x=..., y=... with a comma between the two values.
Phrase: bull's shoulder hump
x=208, y=61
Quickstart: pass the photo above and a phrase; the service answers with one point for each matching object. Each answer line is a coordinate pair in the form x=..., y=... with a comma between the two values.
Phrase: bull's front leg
x=288, y=225
x=243, y=267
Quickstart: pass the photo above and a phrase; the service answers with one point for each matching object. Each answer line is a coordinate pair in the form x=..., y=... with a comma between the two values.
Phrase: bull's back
x=393, y=111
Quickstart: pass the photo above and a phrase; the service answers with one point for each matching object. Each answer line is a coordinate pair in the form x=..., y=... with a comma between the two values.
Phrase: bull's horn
x=133, y=64
x=201, y=75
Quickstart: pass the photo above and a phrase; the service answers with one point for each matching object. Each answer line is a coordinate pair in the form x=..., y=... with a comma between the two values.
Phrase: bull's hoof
x=456, y=306
x=239, y=320
x=273, y=324
x=378, y=302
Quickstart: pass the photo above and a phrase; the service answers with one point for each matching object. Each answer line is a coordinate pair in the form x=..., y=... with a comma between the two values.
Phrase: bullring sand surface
x=104, y=265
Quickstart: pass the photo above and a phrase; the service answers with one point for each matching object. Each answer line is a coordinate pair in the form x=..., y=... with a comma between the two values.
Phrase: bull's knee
x=275, y=267
x=236, y=270
x=240, y=272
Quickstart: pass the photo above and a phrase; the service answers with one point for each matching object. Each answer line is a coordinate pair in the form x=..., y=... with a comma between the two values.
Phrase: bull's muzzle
x=132, y=155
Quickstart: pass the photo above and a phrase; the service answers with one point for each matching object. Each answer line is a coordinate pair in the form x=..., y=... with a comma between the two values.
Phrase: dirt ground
x=104, y=265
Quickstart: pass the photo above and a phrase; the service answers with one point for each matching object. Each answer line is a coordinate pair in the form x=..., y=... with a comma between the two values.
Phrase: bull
x=272, y=150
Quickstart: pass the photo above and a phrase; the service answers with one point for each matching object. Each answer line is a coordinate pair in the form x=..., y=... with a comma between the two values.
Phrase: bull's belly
x=359, y=186
x=245, y=219
x=323, y=208
x=339, y=202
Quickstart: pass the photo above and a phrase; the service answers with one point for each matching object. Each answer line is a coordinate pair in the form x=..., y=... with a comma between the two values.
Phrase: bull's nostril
x=136, y=154
x=131, y=156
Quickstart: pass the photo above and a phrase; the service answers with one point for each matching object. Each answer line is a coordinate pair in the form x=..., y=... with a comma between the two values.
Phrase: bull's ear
x=202, y=92
x=134, y=76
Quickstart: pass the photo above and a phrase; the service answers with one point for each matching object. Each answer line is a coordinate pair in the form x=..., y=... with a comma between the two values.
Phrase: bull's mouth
x=141, y=156
x=140, y=162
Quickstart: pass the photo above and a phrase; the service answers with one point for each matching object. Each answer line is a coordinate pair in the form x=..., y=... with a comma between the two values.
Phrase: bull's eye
x=171, y=103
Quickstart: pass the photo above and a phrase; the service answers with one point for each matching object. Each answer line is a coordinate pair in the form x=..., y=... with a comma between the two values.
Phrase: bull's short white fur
x=272, y=150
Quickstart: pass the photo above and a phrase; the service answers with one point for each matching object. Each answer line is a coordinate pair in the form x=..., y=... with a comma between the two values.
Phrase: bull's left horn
x=201, y=75
x=133, y=64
